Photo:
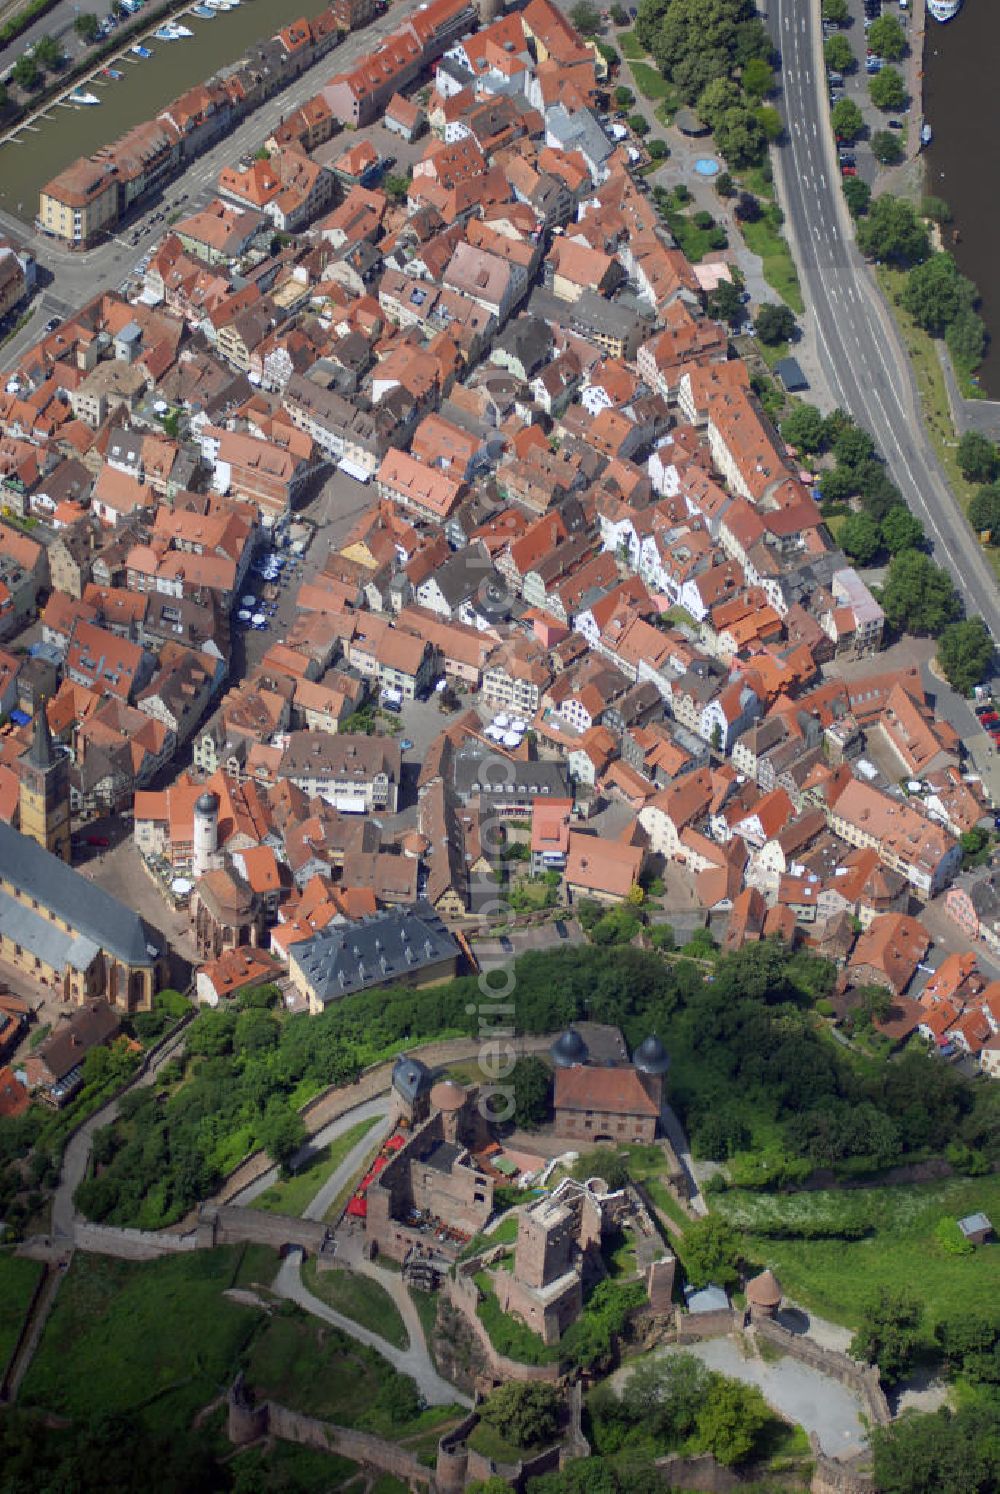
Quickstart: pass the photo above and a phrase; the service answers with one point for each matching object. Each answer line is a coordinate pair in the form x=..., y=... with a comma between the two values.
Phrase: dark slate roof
x=789, y=371
x=477, y=770
x=651, y=1057
x=90, y=912
x=374, y=951
x=41, y=753
x=568, y=1049
x=410, y=1078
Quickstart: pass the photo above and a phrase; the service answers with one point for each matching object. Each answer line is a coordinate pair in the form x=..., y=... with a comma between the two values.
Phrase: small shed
x=789, y=371
x=976, y=1228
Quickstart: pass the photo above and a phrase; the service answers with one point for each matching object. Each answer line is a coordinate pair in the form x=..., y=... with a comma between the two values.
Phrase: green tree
x=618, y=14
x=889, y=1334
x=804, y=427
x=26, y=72
x=901, y=530
x=935, y=293
x=48, y=53
x=524, y=1413
x=658, y=150
x=984, y=511
x=948, y=1452
x=838, y=54
x=531, y=1081
x=624, y=97
x=965, y=653
x=892, y=232
x=966, y=339
x=887, y=89
x=757, y=78
x=87, y=26
x=731, y=1418
x=281, y=1132
x=724, y=184
x=857, y=195
x=978, y=457
x=886, y=147
x=846, y=119
x=918, y=596
x=712, y=1252
x=860, y=538
x=602, y=1163
x=936, y=209
x=970, y=1343
x=664, y=1396
x=586, y=18
x=395, y=186
x=774, y=323
x=836, y=12
x=638, y=124
x=887, y=38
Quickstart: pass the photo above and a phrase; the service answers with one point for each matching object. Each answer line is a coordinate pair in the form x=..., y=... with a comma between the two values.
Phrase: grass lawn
x=777, y=265
x=426, y=1304
x=504, y=1234
x=18, y=1279
x=322, y=1372
x=153, y=1339
x=694, y=242
x=835, y=1277
x=933, y=395
x=289, y=1469
x=630, y=46
x=488, y=1441
x=360, y=1298
x=292, y=1195
x=654, y=86
x=680, y=615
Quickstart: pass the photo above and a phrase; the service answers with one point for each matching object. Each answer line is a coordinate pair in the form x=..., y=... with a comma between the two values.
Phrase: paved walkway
x=377, y=1108
x=414, y=1361
x=678, y=1140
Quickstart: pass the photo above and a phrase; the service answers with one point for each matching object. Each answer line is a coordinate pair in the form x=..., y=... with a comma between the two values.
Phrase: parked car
x=98, y=840
x=895, y=124
x=406, y=745
x=506, y=945
x=562, y=930
x=848, y=171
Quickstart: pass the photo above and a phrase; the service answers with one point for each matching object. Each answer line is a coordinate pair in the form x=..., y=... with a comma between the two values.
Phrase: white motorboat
x=944, y=10
x=83, y=98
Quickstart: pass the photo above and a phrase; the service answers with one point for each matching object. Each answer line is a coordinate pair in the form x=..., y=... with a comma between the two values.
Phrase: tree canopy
x=860, y=538
x=774, y=323
x=978, y=457
x=525, y=1413
x=935, y=293
x=887, y=89
x=838, y=53
x=984, y=511
x=847, y=119
x=804, y=428
x=918, y=596
x=965, y=653
x=889, y=1334
x=892, y=232
x=886, y=37
x=951, y=1452
x=886, y=147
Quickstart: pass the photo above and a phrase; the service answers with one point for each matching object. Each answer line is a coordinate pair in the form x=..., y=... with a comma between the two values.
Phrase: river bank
x=962, y=103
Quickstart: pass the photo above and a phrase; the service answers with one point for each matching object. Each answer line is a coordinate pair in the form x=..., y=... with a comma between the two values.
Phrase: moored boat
x=204, y=12
x=926, y=134
x=113, y=74
x=142, y=51
x=944, y=10
x=83, y=98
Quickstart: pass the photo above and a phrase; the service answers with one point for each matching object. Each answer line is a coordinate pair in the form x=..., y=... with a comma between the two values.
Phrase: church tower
x=44, y=792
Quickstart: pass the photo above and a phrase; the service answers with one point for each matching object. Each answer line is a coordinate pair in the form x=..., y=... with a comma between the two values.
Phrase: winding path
x=414, y=1361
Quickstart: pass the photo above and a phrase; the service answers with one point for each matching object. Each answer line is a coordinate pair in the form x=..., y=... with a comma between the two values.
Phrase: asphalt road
x=865, y=361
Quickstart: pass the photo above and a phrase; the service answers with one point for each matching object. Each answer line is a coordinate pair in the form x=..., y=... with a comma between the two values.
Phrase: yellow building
x=43, y=801
x=80, y=203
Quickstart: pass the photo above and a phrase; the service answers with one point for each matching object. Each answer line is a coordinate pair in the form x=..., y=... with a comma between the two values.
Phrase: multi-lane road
x=864, y=360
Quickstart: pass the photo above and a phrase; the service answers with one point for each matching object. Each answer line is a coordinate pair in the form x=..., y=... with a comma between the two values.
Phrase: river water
x=147, y=85
x=962, y=104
